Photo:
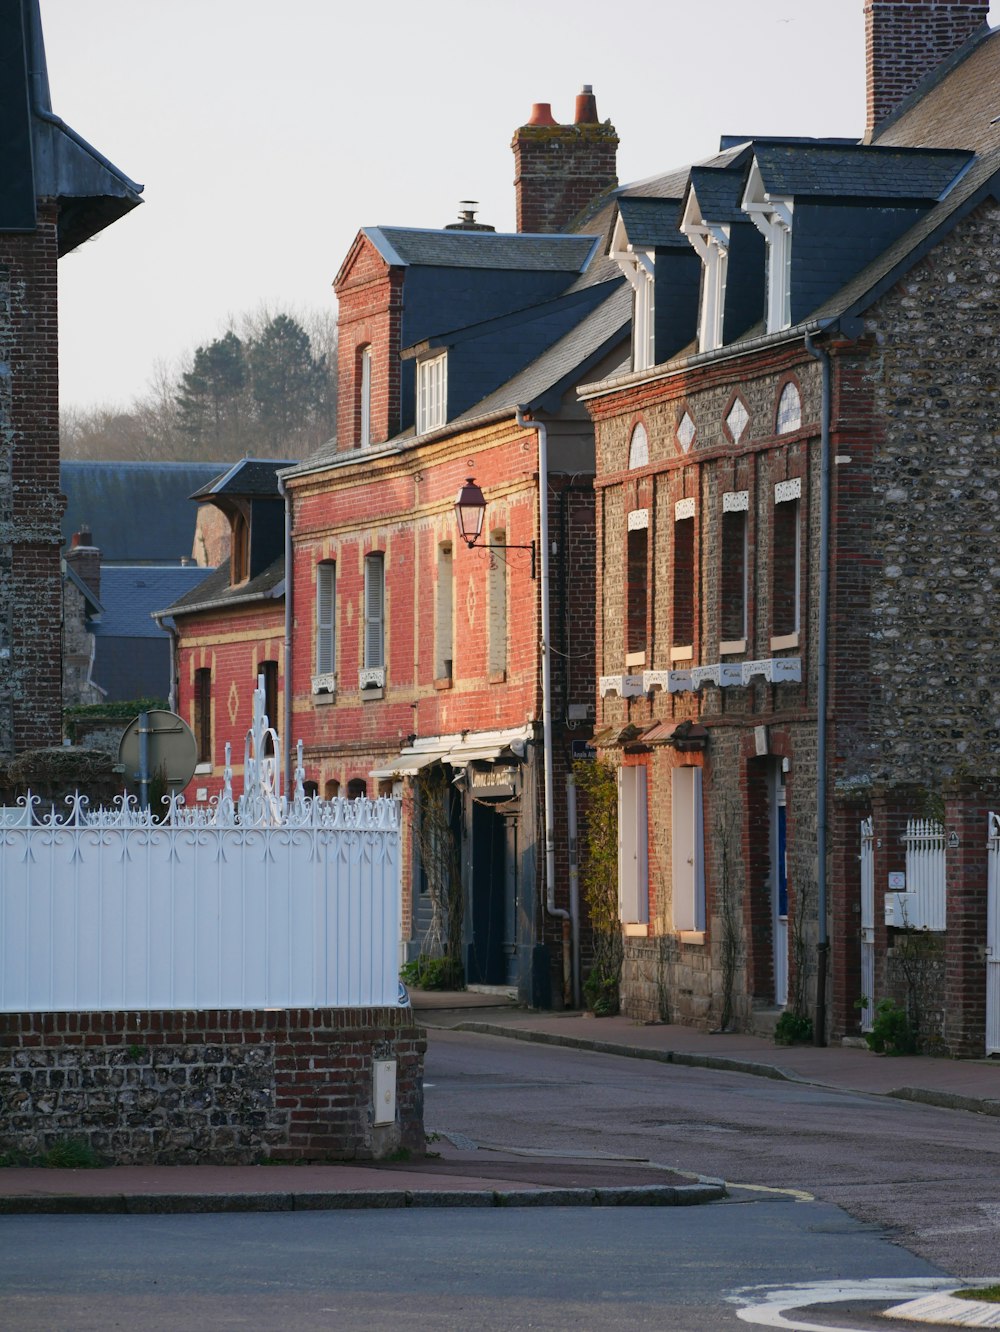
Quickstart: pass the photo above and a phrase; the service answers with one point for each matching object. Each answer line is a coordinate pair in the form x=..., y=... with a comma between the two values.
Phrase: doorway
x=493, y=953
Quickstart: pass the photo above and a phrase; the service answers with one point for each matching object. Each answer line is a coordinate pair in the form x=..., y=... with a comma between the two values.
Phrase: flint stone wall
x=213, y=1087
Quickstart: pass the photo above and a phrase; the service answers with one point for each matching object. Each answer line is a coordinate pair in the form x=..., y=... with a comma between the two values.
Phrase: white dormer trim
x=639, y=266
x=432, y=393
x=711, y=243
x=772, y=216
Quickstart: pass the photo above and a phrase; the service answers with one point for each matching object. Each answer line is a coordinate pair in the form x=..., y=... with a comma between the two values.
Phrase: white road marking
x=770, y=1310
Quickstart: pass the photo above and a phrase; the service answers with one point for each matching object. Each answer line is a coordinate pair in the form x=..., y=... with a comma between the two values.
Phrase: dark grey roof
x=130, y=593
x=215, y=591
x=669, y=185
x=860, y=172
x=402, y=246
x=138, y=512
x=85, y=590
x=549, y=375
x=955, y=106
x=719, y=191
x=651, y=223
x=250, y=477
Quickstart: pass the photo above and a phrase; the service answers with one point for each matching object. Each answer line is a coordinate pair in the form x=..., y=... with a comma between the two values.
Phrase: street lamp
x=470, y=510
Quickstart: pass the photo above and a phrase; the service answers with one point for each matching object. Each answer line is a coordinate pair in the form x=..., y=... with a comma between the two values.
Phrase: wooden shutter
x=326, y=593
x=374, y=610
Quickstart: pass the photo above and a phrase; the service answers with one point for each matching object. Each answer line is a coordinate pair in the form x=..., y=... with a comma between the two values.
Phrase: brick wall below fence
x=221, y=1087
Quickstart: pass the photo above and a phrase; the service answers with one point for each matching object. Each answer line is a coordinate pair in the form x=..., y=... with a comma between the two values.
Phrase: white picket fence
x=924, y=899
x=257, y=903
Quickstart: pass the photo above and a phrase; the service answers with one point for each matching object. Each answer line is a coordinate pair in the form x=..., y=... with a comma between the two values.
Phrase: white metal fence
x=923, y=903
x=257, y=903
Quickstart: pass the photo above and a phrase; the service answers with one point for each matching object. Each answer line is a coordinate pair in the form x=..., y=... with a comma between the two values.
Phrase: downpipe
x=289, y=584
x=543, y=565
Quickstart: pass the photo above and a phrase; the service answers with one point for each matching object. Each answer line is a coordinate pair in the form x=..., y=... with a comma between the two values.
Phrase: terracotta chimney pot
x=541, y=114
x=586, y=106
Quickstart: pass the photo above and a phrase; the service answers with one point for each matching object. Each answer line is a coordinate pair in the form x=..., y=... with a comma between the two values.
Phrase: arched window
x=638, y=449
x=789, y=410
x=356, y=788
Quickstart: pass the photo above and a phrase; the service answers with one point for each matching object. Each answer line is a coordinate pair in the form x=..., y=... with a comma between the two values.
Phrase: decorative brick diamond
x=737, y=419
x=685, y=432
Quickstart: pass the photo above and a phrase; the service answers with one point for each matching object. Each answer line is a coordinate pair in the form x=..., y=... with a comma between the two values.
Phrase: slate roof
x=130, y=593
x=864, y=171
x=545, y=380
x=651, y=223
x=954, y=107
x=719, y=191
x=215, y=590
x=253, y=478
x=138, y=512
x=403, y=246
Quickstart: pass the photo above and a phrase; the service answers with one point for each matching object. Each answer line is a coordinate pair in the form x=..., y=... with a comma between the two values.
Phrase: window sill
x=443, y=682
x=682, y=654
x=784, y=641
x=635, y=929
x=732, y=646
x=323, y=698
x=201, y=769
x=691, y=936
x=497, y=677
x=371, y=693
x=634, y=659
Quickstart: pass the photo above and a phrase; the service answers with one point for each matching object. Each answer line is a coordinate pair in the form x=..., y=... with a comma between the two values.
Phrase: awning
x=458, y=751
x=406, y=764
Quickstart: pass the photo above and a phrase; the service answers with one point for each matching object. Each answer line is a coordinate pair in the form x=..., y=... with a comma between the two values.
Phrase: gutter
x=822, y=686
x=570, y=926
x=170, y=628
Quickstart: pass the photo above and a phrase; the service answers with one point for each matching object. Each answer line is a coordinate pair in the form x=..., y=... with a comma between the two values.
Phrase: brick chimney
x=905, y=40
x=85, y=560
x=560, y=169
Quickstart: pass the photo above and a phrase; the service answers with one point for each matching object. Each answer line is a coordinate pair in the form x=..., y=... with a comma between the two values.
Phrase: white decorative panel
x=680, y=682
x=655, y=680
x=704, y=675
x=638, y=519
x=788, y=490
x=737, y=419
x=324, y=684
x=786, y=670
x=730, y=673
x=610, y=684
x=371, y=677
x=632, y=686
x=736, y=501
x=685, y=432
x=683, y=509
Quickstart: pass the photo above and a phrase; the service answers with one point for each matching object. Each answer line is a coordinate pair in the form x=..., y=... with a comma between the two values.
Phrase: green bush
x=72, y=1154
x=601, y=993
x=793, y=1029
x=432, y=973
x=891, y=1032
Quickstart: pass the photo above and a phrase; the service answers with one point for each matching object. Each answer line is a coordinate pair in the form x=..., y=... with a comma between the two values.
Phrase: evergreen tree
x=286, y=381
x=210, y=398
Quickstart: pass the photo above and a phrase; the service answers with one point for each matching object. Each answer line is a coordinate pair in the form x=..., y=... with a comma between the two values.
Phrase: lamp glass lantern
x=470, y=510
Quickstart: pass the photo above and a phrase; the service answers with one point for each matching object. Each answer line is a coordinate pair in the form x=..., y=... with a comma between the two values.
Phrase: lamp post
x=470, y=510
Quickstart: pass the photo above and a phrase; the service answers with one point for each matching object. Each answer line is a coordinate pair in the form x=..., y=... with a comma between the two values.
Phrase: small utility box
x=385, y=1091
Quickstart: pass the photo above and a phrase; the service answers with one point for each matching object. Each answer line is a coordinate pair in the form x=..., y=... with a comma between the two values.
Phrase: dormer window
x=639, y=267
x=365, y=398
x=432, y=393
x=239, y=549
x=772, y=216
x=711, y=243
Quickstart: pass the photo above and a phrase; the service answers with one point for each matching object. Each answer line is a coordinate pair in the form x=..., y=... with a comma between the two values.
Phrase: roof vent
x=467, y=218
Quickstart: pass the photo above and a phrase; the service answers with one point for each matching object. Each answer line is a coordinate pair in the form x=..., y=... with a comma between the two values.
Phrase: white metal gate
x=868, y=922
x=993, y=938
x=924, y=899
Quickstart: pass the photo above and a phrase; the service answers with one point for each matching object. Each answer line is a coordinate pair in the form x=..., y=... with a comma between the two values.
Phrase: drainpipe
x=289, y=584
x=822, y=684
x=171, y=629
x=550, y=843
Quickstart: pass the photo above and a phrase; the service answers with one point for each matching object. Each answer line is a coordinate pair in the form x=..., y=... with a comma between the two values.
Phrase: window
x=432, y=393
x=443, y=628
x=239, y=549
x=683, y=638
x=786, y=564
x=638, y=449
x=633, y=849
x=374, y=646
x=733, y=599
x=789, y=410
x=269, y=670
x=365, y=398
x=497, y=595
x=331, y=790
x=636, y=588
x=688, y=842
x=203, y=715
x=326, y=633
x=356, y=788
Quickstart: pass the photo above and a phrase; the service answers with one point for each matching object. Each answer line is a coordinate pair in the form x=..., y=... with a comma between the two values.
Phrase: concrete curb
x=655, y=1195
x=723, y=1063
x=947, y=1100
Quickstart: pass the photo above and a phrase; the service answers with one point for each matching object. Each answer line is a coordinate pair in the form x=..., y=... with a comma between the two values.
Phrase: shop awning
x=458, y=751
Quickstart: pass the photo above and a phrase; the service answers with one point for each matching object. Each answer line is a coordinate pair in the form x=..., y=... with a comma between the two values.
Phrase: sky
x=267, y=132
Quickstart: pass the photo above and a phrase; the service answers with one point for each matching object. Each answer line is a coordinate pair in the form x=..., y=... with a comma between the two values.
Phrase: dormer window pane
x=432, y=393
x=365, y=423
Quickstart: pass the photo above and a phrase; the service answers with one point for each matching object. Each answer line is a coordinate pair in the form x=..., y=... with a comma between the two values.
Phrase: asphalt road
x=929, y=1177
x=591, y=1268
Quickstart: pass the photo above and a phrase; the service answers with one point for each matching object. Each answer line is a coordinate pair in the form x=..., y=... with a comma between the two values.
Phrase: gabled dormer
x=731, y=252
x=826, y=209
x=663, y=272
x=248, y=495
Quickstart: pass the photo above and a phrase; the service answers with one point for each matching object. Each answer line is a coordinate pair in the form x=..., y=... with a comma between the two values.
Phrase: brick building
x=57, y=192
x=796, y=510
